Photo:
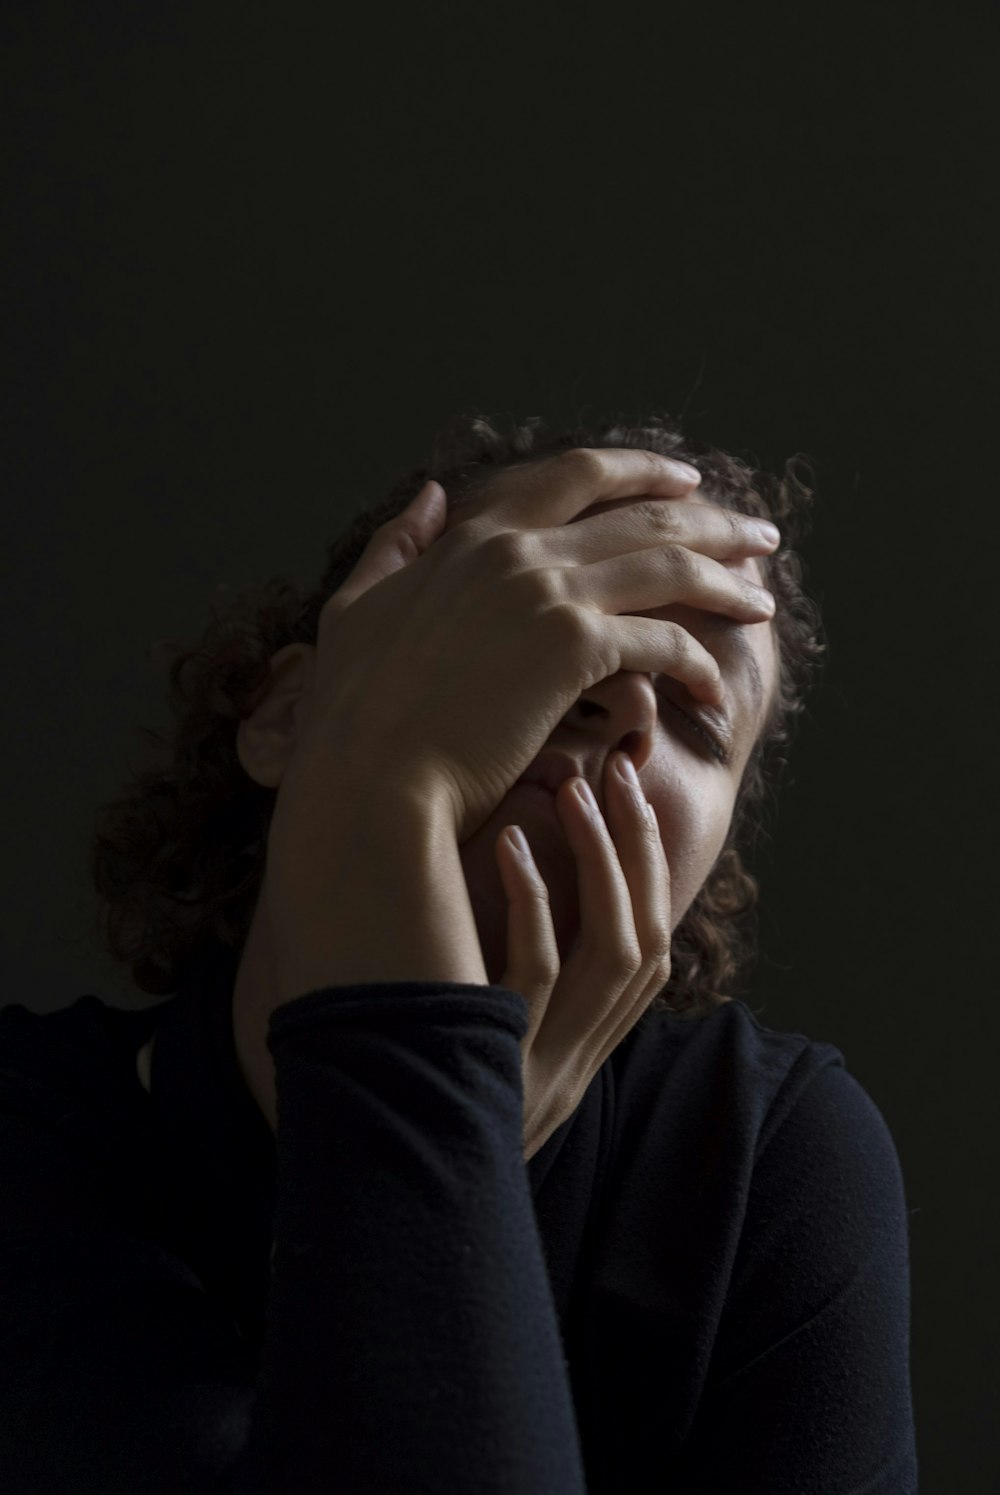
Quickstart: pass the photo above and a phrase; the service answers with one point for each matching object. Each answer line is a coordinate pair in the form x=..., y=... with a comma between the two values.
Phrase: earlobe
x=293, y=660
x=266, y=737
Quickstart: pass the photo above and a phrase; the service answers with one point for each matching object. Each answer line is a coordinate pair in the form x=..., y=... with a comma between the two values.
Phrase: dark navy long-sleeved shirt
x=700, y=1283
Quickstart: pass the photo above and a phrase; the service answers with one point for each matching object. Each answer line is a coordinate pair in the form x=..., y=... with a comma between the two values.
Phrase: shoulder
x=74, y=1123
x=80, y=1057
x=729, y=1060
x=779, y=1161
x=756, y=1170
x=795, y=1132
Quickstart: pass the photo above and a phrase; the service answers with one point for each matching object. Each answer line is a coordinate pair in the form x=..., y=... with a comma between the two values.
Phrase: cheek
x=694, y=821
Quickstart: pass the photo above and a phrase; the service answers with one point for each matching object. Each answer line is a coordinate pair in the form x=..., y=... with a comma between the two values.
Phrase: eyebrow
x=740, y=650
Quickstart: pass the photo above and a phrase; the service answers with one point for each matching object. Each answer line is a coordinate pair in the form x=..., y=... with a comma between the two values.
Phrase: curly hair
x=177, y=858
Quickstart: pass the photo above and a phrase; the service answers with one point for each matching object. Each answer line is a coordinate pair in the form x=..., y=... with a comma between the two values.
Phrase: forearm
x=409, y=1292
x=382, y=897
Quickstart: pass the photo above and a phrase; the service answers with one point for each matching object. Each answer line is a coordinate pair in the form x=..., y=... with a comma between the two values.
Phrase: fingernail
x=626, y=768
x=585, y=793
x=687, y=471
x=519, y=839
x=770, y=533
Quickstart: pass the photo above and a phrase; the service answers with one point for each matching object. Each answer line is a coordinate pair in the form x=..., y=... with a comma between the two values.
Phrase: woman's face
x=692, y=792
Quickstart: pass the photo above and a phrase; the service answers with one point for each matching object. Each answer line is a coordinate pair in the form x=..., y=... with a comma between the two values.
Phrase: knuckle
x=616, y=961
x=540, y=589
x=404, y=542
x=502, y=552
x=660, y=515
x=755, y=594
x=690, y=656
x=552, y=586
x=568, y=626
x=511, y=549
x=548, y=967
x=658, y=951
x=548, y=975
x=470, y=534
x=538, y=974
x=387, y=530
x=734, y=525
x=675, y=638
x=628, y=958
x=680, y=563
x=684, y=643
x=583, y=463
x=540, y=595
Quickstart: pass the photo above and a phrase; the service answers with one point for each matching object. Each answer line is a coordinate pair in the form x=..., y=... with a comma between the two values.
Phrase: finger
x=532, y=948
x=608, y=954
x=553, y=489
x=663, y=576
x=724, y=534
x=660, y=646
x=396, y=543
x=636, y=834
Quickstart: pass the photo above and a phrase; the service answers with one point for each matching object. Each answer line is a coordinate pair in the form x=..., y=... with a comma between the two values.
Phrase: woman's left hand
x=579, y=1014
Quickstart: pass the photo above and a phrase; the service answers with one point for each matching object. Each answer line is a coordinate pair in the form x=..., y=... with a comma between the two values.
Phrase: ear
x=266, y=736
x=395, y=544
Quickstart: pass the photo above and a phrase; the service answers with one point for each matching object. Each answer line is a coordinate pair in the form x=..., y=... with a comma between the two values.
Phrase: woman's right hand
x=448, y=676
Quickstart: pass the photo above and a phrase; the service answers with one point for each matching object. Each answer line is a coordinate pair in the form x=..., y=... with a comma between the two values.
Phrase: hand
x=578, y=1015
x=451, y=674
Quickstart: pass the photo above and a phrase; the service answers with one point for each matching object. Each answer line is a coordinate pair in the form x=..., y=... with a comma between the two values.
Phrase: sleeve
x=410, y=1335
x=809, y=1388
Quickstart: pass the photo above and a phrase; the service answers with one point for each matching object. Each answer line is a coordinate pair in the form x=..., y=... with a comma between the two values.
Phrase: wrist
x=380, y=895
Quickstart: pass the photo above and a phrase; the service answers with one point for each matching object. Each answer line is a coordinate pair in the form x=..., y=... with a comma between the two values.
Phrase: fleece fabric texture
x=699, y=1284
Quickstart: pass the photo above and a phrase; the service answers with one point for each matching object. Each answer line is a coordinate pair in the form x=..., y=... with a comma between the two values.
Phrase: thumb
x=396, y=543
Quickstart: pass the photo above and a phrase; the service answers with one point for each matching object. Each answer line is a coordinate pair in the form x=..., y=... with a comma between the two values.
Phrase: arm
x=371, y=889
x=410, y=1332
x=411, y=1324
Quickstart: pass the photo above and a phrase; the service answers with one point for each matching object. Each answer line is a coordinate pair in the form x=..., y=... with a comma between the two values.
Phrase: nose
x=621, y=714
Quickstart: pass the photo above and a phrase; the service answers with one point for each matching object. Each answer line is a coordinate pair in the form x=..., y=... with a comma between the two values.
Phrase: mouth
x=551, y=769
x=541, y=797
x=554, y=857
x=536, y=791
x=546, y=833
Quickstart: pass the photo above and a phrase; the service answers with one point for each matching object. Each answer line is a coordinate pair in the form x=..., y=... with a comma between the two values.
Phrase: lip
x=550, y=770
x=539, y=814
x=536, y=791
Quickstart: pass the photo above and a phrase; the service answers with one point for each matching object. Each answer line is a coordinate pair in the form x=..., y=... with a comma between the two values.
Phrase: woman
x=453, y=1164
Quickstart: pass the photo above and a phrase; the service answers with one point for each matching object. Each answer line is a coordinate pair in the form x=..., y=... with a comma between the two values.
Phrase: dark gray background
x=255, y=255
